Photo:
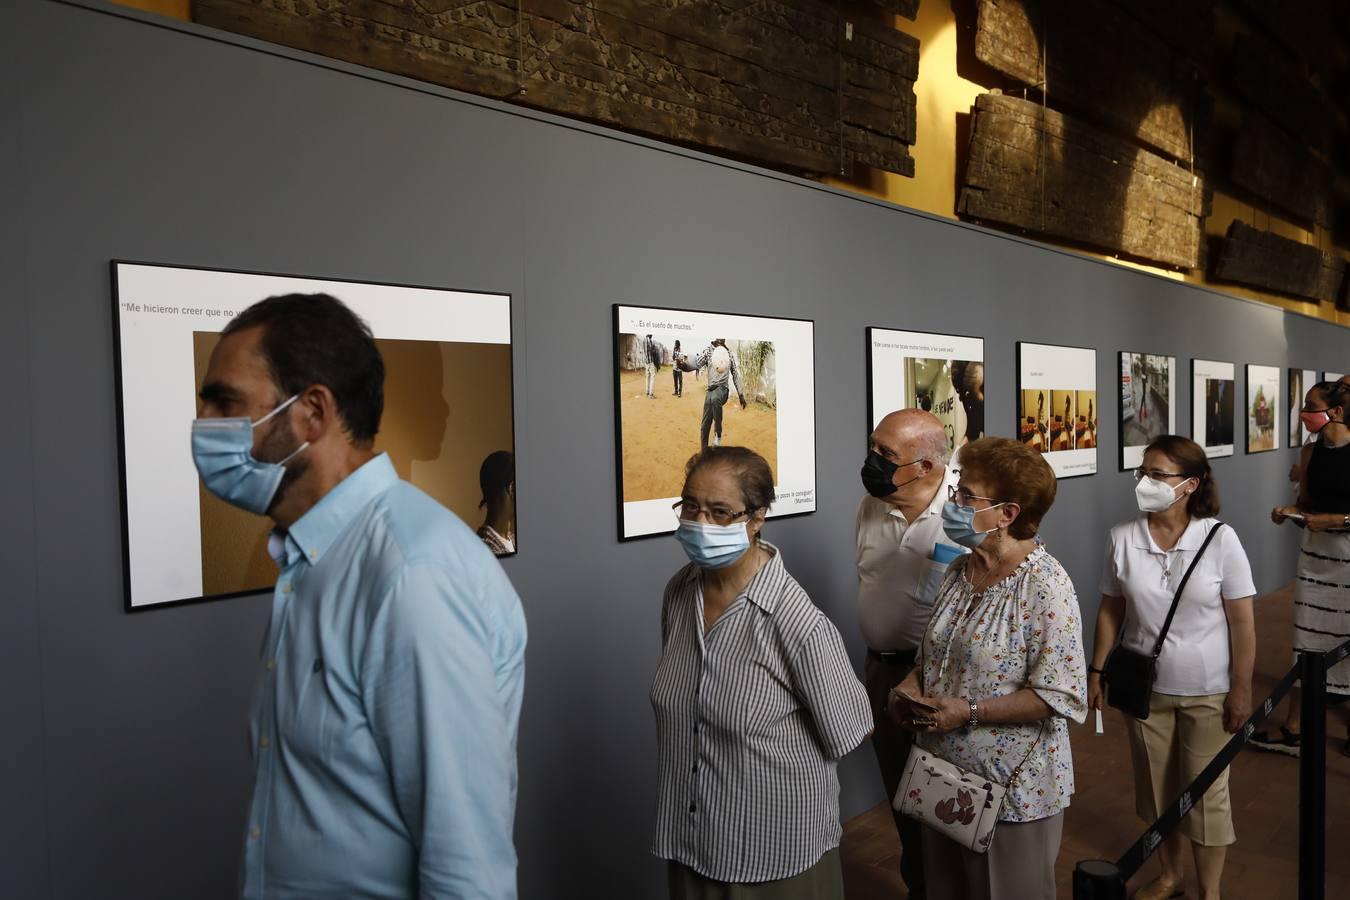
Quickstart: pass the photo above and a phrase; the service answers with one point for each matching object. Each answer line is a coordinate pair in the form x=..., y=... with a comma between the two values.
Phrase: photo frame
x=1148, y=402
x=1057, y=408
x=661, y=420
x=1213, y=389
x=1299, y=381
x=1262, y=411
x=449, y=406
x=942, y=373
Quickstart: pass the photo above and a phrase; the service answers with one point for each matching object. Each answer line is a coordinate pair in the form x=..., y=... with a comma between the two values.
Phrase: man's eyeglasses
x=720, y=515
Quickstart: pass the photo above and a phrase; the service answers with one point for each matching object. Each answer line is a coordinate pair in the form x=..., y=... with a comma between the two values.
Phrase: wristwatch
x=1093, y=670
x=974, y=714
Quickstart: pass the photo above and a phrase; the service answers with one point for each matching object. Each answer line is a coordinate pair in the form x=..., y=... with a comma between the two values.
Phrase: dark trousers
x=891, y=744
x=679, y=382
x=713, y=401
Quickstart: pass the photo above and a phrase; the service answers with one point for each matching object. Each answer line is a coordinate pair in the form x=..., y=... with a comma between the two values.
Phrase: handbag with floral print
x=959, y=804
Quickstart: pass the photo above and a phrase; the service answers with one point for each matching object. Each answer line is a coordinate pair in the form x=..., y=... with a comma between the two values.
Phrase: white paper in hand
x=1100, y=730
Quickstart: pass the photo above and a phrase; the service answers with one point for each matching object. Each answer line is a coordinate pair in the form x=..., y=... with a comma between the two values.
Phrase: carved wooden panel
x=1046, y=172
x=1266, y=260
x=1281, y=171
x=1101, y=63
x=1281, y=90
x=793, y=83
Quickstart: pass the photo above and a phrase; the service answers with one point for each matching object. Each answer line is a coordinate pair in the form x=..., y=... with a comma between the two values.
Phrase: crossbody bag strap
x=1162, y=635
x=1012, y=779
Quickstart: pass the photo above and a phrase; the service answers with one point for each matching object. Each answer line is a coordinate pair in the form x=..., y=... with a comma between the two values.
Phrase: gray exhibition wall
x=125, y=771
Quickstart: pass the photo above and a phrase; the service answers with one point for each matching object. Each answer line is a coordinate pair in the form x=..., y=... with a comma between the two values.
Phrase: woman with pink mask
x=1322, y=589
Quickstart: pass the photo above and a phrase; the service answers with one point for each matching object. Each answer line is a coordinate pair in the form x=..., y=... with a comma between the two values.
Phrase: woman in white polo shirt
x=1203, y=689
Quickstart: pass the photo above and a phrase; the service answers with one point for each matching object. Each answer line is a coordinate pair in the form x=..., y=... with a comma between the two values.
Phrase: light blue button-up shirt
x=384, y=727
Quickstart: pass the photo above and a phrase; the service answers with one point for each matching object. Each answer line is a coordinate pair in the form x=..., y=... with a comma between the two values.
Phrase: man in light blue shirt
x=384, y=726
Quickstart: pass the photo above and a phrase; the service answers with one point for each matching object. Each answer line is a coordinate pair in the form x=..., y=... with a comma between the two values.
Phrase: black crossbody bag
x=1128, y=674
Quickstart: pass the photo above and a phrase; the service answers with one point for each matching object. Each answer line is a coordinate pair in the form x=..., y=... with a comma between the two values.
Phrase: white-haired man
x=902, y=556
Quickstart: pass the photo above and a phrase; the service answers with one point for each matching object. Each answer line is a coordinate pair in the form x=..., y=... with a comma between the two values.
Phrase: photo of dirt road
x=659, y=433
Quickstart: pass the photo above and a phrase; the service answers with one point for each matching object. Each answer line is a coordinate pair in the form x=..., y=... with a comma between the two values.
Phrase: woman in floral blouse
x=1002, y=661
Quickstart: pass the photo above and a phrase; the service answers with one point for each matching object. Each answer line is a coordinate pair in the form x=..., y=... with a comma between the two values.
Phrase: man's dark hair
x=496, y=474
x=310, y=339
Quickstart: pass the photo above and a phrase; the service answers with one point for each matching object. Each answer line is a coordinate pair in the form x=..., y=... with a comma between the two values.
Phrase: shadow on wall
x=447, y=406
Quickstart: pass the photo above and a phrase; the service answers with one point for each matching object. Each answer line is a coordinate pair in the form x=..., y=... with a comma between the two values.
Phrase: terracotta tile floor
x=1101, y=822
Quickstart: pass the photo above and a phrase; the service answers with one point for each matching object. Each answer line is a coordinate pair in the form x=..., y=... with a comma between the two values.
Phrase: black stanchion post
x=1312, y=779
x=1097, y=879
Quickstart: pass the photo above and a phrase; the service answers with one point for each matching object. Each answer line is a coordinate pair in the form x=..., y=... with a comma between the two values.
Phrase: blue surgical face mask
x=223, y=452
x=959, y=523
x=713, y=546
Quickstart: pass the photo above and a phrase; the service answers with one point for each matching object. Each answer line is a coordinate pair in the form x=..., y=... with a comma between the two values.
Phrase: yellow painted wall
x=177, y=9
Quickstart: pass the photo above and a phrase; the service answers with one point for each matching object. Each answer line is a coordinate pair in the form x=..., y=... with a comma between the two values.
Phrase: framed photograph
x=1300, y=382
x=1057, y=405
x=942, y=373
x=1212, y=406
x=1332, y=376
x=1263, y=408
x=1148, y=403
x=447, y=412
x=685, y=380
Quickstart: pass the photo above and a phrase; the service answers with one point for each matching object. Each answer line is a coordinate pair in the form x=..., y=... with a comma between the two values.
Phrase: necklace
x=989, y=573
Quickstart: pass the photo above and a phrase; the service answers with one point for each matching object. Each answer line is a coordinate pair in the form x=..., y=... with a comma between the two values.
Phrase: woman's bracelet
x=1093, y=670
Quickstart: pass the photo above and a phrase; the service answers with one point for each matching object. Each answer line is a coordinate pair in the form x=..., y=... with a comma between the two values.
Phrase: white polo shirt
x=897, y=575
x=1195, y=659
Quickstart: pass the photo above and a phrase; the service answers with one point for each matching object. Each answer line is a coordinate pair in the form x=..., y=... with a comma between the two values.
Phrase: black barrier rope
x=1099, y=879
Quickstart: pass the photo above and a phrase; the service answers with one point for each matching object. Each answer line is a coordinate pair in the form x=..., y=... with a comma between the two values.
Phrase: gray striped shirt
x=751, y=720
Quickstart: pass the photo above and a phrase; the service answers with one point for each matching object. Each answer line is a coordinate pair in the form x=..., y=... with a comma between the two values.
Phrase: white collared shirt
x=897, y=575
x=1196, y=657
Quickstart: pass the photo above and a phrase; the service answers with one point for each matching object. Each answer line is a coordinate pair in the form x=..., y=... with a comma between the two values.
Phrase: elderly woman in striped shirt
x=755, y=702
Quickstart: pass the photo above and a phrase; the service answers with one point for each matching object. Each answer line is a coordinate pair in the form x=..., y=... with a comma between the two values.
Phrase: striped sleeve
x=830, y=690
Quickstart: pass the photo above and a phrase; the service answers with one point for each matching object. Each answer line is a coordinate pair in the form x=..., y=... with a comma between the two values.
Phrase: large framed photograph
x=1300, y=382
x=665, y=415
x=1148, y=403
x=1263, y=408
x=942, y=373
x=1212, y=406
x=447, y=412
x=1057, y=405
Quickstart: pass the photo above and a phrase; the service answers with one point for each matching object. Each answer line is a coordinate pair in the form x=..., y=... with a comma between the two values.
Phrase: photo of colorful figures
x=1057, y=405
x=1263, y=408
x=687, y=381
x=1148, y=391
x=678, y=395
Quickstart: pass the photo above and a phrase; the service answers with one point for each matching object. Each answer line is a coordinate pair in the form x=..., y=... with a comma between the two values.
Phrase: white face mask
x=1156, y=496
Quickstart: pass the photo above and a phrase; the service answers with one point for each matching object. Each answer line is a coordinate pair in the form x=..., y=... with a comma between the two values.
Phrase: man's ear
x=318, y=412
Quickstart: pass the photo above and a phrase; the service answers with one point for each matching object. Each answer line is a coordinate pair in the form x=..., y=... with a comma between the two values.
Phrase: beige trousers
x=1173, y=745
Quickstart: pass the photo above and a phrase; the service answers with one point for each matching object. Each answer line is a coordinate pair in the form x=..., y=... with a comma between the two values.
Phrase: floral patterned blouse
x=1023, y=631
